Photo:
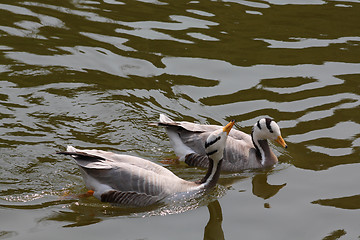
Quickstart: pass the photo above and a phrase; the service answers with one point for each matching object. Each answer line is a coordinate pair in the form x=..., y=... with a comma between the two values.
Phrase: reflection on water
x=213, y=229
x=335, y=235
x=7, y=234
x=95, y=73
x=351, y=202
x=262, y=188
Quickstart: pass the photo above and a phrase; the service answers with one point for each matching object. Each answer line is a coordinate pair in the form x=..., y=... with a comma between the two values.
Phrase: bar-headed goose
x=134, y=181
x=242, y=151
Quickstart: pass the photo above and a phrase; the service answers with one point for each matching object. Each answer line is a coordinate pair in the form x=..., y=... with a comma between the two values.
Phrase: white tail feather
x=70, y=149
x=180, y=149
x=165, y=119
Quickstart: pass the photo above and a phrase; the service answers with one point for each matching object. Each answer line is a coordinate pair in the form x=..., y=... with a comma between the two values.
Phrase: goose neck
x=262, y=148
x=212, y=174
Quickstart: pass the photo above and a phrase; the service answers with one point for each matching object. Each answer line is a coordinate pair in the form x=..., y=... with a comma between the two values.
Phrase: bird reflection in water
x=261, y=188
x=213, y=229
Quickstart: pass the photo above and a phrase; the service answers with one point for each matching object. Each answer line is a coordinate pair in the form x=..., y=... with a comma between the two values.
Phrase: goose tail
x=180, y=149
x=71, y=149
x=165, y=119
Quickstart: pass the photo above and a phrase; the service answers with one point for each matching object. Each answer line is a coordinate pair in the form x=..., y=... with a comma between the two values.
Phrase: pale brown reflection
x=7, y=234
x=262, y=188
x=335, y=234
x=87, y=213
x=213, y=229
x=350, y=202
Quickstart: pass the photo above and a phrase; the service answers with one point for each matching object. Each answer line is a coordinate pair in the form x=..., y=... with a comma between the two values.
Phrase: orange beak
x=228, y=126
x=281, y=141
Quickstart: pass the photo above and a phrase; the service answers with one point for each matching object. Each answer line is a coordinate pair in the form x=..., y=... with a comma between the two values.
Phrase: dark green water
x=94, y=73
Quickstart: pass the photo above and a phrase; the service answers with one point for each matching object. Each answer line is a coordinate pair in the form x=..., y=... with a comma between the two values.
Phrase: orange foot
x=67, y=195
x=170, y=161
x=87, y=194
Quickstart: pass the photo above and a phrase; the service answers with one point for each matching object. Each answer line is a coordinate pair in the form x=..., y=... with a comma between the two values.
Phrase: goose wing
x=165, y=121
x=239, y=155
x=129, y=198
x=111, y=160
x=191, y=127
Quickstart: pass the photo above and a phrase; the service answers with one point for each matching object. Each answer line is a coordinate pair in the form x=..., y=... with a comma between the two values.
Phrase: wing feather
x=197, y=160
x=125, y=173
x=129, y=198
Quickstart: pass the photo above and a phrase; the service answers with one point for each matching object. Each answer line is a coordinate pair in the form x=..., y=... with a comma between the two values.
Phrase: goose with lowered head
x=133, y=181
x=242, y=151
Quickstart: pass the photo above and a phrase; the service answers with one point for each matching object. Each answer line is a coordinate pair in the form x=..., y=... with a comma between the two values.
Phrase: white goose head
x=215, y=143
x=267, y=128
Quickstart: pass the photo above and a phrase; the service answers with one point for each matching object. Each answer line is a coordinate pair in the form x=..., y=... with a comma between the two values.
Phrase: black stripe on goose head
x=258, y=124
x=207, y=144
x=268, y=122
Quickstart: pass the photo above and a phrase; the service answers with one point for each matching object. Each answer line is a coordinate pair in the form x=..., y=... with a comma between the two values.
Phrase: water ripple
x=29, y=28
x=81, y=58
x=301, y=43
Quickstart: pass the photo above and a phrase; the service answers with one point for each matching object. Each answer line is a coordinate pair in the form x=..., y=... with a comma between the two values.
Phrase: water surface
x=93, y=74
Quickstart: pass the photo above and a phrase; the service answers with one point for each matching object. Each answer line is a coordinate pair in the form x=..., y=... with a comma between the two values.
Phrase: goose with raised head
x=242, y=151
x=133, y=181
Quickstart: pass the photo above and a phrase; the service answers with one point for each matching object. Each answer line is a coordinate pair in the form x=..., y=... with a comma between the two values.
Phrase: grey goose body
x=242, y=151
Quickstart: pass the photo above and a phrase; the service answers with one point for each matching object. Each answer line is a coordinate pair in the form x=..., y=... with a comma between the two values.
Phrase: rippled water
x=95, y=73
